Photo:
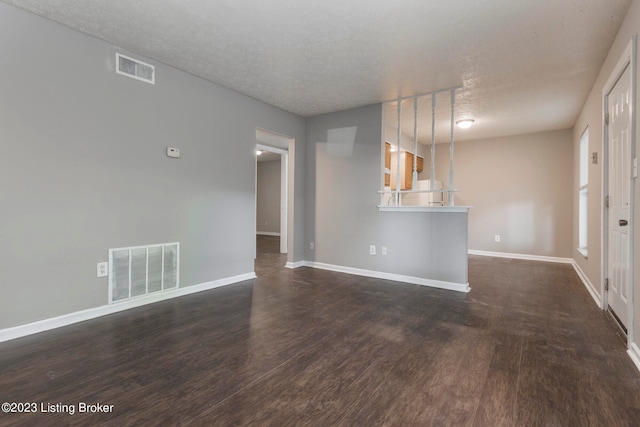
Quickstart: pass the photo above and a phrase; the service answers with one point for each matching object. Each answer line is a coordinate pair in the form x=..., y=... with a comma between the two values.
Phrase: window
x=583, y=192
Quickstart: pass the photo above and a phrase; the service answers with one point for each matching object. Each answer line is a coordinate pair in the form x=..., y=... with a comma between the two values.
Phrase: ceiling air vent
x=136, y=69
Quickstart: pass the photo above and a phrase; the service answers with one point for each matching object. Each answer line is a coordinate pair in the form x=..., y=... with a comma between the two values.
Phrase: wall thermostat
x=173, y=152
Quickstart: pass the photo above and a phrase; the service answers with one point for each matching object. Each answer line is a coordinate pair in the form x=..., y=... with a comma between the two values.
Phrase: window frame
x=583, y=193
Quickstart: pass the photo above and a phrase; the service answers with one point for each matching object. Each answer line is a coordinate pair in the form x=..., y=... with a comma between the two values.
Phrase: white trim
x=267, y=233
x=92, y=313
x=459, y=287
x=633, y=63
x=587, y=283
x=521, y=256
x=284, y=191
x=618, y=70
x=604, y=212
x=296, y=264
x=457, y=209
x=284, y=202
x=583, y=192
x=634, y=354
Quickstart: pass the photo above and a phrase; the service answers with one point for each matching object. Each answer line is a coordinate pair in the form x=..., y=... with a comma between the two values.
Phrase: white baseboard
x=91, y=313
x=296, y=264
x=267, y=233
x=521, y=256
x=459, y=287
x=587, y=284
x=634, y=353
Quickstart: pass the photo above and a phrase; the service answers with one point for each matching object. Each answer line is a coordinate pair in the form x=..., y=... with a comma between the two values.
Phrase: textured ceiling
x=267, y=156
x=524, y=66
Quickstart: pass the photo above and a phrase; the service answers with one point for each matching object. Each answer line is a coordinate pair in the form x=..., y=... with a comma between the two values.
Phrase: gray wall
x=83, y=169
x=519, y=187
x=268, y=197
x=591, y=116
x=343, y=177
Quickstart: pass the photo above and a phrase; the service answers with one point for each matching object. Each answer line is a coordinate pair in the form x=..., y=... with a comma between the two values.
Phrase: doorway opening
x=274, y=188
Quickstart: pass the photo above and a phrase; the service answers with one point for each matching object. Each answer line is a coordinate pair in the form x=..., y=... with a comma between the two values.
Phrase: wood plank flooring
x=526, y=347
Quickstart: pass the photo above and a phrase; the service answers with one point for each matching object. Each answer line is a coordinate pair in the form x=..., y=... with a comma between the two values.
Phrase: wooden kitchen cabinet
x=406, y=168
x=407, y=179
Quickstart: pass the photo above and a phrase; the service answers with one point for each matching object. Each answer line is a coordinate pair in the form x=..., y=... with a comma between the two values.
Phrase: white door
x=619, y=184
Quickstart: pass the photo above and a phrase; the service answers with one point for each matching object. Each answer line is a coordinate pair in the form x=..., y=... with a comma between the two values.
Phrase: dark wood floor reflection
x=526, y=347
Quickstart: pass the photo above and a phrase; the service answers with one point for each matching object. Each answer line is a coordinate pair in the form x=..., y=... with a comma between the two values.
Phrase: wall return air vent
x=143, y=270
x=135, y=69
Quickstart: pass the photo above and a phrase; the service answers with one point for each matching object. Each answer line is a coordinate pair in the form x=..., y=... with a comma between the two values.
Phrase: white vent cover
x=142, y=270
x=135, y=69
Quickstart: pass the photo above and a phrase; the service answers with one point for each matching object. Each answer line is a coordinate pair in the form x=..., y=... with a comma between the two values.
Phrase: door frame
x=284, y=192
x=627, y=59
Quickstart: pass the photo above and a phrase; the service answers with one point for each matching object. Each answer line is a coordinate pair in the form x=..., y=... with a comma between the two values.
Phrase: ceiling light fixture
x=258, y=152
x=393, y=149
x=465, y=124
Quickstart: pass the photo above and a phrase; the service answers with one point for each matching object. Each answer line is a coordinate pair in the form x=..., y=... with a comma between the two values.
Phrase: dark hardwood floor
x=526, y=347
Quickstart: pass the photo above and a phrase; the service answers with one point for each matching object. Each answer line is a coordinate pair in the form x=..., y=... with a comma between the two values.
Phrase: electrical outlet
x=312, y=246
x=103, y=269
x=372, y=250
x=383, y=250
x=496, y=238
